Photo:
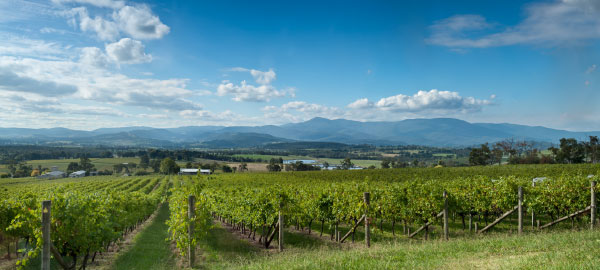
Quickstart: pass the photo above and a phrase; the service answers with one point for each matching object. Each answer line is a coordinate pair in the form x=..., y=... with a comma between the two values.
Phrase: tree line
x=569, y=151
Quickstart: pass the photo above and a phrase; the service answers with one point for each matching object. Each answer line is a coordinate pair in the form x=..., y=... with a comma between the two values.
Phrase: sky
x=87, y=64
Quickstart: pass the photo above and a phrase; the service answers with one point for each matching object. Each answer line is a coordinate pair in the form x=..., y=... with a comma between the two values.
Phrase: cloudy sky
x=87, y=64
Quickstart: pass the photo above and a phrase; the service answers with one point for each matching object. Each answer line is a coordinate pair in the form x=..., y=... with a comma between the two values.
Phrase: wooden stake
x=566, y=217
x=471, y=222
x=520, y=210
x=496, y=221
x=445, y=215
x=351, y=231
x=593, y=204
x=280, y=240
x=367, y=198
x=532, y=213
x=191, y=215
x=46, y=215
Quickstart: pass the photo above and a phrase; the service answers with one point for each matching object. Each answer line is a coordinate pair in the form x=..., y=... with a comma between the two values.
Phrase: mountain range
x=447, y=132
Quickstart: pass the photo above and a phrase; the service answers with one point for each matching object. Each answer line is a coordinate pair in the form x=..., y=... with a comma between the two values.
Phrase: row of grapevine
x=87, y=215
x=413, y=196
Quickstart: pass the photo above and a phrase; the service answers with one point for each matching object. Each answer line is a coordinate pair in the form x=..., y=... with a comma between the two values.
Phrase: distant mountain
x=431, y=132
x=242, y=140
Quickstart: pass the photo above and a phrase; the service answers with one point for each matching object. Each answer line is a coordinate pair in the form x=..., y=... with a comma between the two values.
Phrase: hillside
x=430, y=132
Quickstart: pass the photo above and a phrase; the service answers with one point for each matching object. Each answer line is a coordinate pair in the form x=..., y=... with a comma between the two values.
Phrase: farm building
x=186, y=171
x=53, y=175
x=77, y=174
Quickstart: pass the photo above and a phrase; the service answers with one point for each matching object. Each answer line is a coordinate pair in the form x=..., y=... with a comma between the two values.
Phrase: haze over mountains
x=431, y=132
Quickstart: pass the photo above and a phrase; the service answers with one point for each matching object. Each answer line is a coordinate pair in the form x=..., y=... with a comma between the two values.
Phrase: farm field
x=100, y=163
x=235, y=218
x=358, y=162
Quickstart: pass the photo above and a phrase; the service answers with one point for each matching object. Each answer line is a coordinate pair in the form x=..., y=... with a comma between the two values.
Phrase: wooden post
x=471, y=222
x=593, y=204
x=532, y=213
x=367, y=198
x=280, y=240
x=520, y=210
x=445, y=215
x=46, y=215
x=191, y=215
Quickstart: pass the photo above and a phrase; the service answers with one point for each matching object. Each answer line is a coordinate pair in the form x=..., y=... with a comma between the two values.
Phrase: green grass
x=62, y=164
x=358, y=162
x=268, y=157
x=150, y=249
x=554, y=250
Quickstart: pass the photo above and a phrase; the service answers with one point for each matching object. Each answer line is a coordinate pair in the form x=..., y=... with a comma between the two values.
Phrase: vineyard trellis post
x=520, y=210
x=46, y=215
x=532, y=212
x=592, y=204
x=445, y=215
x=367, y=198
x=280, y=240
x=191, y=212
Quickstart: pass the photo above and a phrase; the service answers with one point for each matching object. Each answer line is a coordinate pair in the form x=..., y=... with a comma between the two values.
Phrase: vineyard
x=87, y=215
x=400, y=201
x=402, y=204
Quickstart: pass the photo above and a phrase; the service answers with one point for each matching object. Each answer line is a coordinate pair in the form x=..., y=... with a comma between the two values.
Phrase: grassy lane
x=556, y=250
x=548, y=250
x=151, y=250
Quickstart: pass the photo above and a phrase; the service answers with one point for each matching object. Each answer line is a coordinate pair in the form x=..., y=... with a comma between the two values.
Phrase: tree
x=326, y=165
x=144, y=161
x=168, y=166
x=73, y=167
x=243, y=167
x=593, y=149
x=497, y=154
x=570, y=151
x=385, y=163
x=86, y=164
x=226, y=168
x=347, y=164
x=480, y=156
x=274, y=165
x=155, y=165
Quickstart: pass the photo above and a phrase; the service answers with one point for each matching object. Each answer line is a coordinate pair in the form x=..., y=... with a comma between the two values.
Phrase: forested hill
x=430, y=132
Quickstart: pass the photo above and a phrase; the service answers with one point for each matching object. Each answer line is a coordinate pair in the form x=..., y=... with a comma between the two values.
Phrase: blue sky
x=87, y=64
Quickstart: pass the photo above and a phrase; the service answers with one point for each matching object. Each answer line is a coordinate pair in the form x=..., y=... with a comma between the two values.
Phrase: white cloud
x=127, y=51
x=360, y=104
x=93, y=56
x=13, y=82
x=136, y=21
x=140, y=23
x=295, y=111
x=98, y=3
x=82, y=81
x=549, y=24
x=50, y=30
x=104, y=29
x=261, y=77
x=248, y=92
x=20, y=46
x=424, y=101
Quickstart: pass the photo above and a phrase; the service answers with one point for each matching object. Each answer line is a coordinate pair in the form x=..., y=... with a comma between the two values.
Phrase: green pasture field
x=268, y=157
x=358, y=162
x=62, y=164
